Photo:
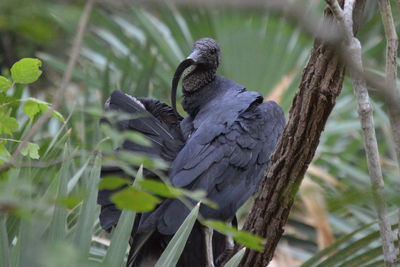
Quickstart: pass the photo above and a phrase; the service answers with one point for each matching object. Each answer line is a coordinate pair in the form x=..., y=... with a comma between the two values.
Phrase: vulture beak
x=195, y=56
x=192, y=59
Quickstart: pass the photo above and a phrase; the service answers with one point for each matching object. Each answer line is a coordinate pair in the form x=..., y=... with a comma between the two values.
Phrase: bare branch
x=348, y=17
x=364, y=109
x=83, y=21
x=336, y=10
x=391, y=69
x=391, y=77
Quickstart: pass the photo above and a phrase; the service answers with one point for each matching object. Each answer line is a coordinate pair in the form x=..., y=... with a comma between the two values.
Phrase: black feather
x=222, y=147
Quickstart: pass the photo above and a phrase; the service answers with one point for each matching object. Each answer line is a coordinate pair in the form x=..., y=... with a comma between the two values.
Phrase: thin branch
x=391, y=77
x=348, y=17
x=83, y=21
x=339, y=14
x=391, y=69
x=364, y=108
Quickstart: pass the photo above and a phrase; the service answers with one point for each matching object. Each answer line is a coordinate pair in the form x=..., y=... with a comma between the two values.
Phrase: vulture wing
x=225, y=157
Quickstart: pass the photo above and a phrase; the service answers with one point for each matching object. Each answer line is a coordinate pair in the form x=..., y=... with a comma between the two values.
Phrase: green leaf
x=33, y=106
x=32, y=150
x=4, y=154
x=120, y=239
x=8, y=100
x=133, y=199
x=8, y=124
x=70, y=201
x=4, y=84
x=111, y=183
x=332, y=247
x=121, y=234
x=365, y=257
x=165, y=190
x=160, y=188
x=74, y=180
x=26, y=70
x=118, y=137
x=4, y=248
x=173, y=251
x=57, y=227
x=115, y=136
x=244, y=238
x=235, y=260
x=350, y=250
x=89, y=211
x=58, y=116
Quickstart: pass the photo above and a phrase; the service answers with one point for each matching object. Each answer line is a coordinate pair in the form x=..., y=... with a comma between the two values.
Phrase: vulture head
x=205, y=55
x=198, y=69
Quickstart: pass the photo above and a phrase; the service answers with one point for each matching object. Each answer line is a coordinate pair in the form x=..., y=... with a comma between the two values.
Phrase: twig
x=348, y=18
x=391, y=77
x=364, y=108
x=391, y=68
x=83, y=21
x=338, y=12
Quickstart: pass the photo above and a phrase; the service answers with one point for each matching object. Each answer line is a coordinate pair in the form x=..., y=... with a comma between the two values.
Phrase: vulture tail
x=157, y=122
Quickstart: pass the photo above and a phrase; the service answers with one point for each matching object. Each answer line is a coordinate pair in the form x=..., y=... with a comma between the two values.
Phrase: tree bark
x=321, y=83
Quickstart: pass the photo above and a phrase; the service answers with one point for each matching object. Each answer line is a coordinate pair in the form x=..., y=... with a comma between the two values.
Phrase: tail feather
x=158, y=123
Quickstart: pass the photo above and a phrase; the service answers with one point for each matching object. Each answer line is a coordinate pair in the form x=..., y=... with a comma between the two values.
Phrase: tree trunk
x=320, y=85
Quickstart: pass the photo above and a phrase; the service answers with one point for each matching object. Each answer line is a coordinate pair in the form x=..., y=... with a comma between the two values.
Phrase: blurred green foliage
x=48, y=214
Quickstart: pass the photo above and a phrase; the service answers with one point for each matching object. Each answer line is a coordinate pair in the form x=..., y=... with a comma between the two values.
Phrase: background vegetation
x=47, y=204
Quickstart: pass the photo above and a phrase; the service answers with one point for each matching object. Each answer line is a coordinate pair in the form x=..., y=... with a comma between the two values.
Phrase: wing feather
x=228, y=166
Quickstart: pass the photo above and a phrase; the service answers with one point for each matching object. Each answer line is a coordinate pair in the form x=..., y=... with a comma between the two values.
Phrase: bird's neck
x=194, y=100
x=196, y=78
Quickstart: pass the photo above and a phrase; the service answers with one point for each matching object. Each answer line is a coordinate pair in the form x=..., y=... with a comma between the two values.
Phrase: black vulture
x=222, y=146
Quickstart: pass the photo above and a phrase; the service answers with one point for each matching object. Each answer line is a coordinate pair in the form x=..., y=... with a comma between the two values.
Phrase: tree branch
x=391, y=78
x=391, y=69
x=83, y=21
x=364, y=108
x=321, y=83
